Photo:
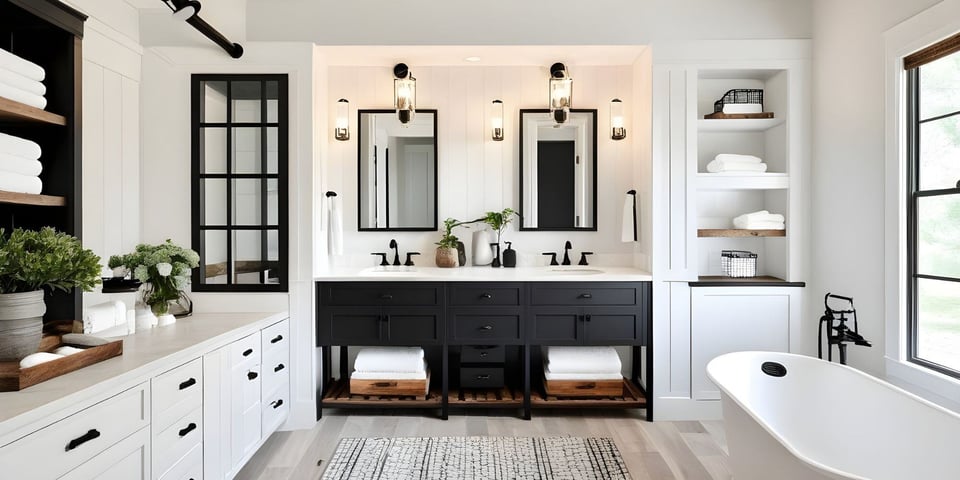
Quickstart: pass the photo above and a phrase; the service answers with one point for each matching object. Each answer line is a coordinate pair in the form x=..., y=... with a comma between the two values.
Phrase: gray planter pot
x=21, y=324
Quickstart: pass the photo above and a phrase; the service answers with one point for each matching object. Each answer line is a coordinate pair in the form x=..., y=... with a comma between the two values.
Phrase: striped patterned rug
x=475, y=458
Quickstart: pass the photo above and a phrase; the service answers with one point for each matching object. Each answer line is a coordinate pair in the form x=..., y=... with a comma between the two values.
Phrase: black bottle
x=509, y=256
x=496, y=258
x=461, y=254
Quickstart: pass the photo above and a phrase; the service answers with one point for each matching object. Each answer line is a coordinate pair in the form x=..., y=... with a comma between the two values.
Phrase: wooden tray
x=413, y=388
x=583, y=388
x=13, y=378
x=721, y=115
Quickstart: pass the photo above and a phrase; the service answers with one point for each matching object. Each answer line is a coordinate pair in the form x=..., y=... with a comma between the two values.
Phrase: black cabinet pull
x=386, y=296
x=188, y=383
x=384, y=384
x=247, y=352
x=86, y=437
x=484, y=354
x=189, y=428
x=252, y=375
x=277, y=404
x=278, y=367
x=587, y=386
x=486, y=296
x=586, y=295
x=276, y=339
x=587, y=318
x=486, y=328
x=483, y=377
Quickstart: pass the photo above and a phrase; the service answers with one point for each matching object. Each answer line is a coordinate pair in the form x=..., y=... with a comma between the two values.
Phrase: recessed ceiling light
x=472, y=59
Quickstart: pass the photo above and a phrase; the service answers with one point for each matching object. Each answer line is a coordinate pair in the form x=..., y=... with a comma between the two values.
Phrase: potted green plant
x=498, y=222
x=32, y=261
x=165, y=272
x=447, y=254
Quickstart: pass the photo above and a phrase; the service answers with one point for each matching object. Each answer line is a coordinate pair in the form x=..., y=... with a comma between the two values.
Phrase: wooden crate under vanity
x=387, y=387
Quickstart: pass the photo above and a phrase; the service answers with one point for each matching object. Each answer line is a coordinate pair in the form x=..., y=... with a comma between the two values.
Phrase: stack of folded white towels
x=22, y=80
x=390, y=363
x=761, y=220
x=731, y=162
x=581, y=363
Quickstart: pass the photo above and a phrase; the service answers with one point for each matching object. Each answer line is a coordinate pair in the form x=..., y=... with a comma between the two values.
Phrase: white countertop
x=145, y=354
x=572, y=273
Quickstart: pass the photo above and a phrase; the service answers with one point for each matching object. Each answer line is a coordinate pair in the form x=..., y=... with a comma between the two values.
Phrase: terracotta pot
x=21, y=319
x=447, y=257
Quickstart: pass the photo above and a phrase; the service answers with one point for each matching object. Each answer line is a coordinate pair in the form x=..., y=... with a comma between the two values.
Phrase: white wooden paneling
x=130, y=164
x=93, y=152
x=112, y=160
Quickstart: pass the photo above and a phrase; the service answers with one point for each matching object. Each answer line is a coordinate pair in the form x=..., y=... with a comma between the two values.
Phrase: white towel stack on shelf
x=730, y=162
x=761, y=220
x=19, y=165
x=390, y=363
x=581, y=363
x=22, y=80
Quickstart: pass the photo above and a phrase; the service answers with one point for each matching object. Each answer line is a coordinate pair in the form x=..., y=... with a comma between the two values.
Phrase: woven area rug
x=475, y=458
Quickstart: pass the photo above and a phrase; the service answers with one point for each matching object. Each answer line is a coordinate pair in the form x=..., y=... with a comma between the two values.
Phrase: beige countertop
x=145, y=354
x=571, y=273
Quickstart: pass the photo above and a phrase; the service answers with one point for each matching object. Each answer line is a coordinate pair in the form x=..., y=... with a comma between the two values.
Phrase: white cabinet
x=730, y=319
x=177, y=415
x=129, y=459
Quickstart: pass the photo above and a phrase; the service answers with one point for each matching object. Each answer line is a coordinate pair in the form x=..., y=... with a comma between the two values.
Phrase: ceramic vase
x=21, y=324
x=446, y=257
x=166, y=319
x=482, y=252
x=144, y=318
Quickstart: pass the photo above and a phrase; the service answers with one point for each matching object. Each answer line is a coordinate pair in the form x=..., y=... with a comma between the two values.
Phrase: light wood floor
x=658, y=450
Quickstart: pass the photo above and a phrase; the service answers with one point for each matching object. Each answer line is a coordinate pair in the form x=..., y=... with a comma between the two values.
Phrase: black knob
x=484, y=354
x=583, y=258
x=587, y=318
x=486, y=296
x=252, y=375
x=409, y=262
x=278, y=367
x=487, y=327
x=586, y=295
x=553, y=257
x=386, y=296
x=277, y=403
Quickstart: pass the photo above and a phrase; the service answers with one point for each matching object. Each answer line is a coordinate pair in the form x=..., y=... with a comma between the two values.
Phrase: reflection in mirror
x=558, y=171
x=397, y=166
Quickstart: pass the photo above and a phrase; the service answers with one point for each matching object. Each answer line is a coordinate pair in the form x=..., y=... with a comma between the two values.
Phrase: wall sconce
x=341, y=130
x=617, y=130
x=561, y=92
x=496, y=120
x=404, y=92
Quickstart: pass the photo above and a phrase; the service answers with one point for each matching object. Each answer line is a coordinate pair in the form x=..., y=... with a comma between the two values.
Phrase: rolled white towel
x=14, y=79
x=736, y=157
x=742, y=108
x=582, y=359
x=361, y=375
x=22, y=66
x=761, y=216
x=389, y=359
x=35, y=359
x=14, y=182
x=67, y=350
x=23, y=166
x=20, y=147
x=22, y=96
x=759, y=225
x=717, y=166
x=582, y=376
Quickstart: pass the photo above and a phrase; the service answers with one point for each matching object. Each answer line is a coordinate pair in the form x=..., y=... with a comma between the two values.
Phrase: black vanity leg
x=444, y=382
x=635, y=362
x=525, y=353
x=344, y=360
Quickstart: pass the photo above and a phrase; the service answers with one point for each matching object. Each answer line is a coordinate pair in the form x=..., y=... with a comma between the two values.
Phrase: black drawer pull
x=484, y=354
x=279, y=367
x=486, y=296
x=386, y=296
x=384, y=384
x=276, y=339
x=486, y=328
x=252, y=375
x=587, y=386
x=189, y=428
x=277, y=404
x=86, y=437
x=587, y=318
x=188, y=383
x=483, y=377
x=247, y=352
x=586, y=295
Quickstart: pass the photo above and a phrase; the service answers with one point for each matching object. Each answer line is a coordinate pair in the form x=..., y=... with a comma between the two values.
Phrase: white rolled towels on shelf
x=389, y=359
x=22, y=96
x=582, y=360
x=760, y=220
x=421, y=375
x=100, y=317
x=20, y=165
x=14, y=182
x=14, y=79
x=734, y=108
x=19, y=147
x=22, y=66
x=729, y=162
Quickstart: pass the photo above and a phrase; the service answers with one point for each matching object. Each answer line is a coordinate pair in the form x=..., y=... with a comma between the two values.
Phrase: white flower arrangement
x=164, y=270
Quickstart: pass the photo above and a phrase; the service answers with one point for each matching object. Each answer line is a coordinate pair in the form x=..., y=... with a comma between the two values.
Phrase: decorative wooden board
x=583, y=388
x=737, y=116
x=19, y=112
x=739, y=232
x=402, y=388
x=338, y=395
x=629, y=397
x=13, y=378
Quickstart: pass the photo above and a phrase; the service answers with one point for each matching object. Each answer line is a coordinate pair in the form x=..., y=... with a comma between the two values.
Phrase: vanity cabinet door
x=349, y=325
x=411, y=326
x=612, y=325
x=555, y=326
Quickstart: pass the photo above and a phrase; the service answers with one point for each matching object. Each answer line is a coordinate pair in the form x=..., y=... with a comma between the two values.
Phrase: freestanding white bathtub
x=825, y=420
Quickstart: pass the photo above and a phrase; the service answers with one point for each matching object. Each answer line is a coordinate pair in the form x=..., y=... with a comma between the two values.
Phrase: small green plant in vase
x=164, y=270
x=447, y=255
x=498, y=222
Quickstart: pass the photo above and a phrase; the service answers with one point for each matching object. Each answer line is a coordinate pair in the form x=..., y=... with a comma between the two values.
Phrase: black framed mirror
x=396, y=171
x=558, y=171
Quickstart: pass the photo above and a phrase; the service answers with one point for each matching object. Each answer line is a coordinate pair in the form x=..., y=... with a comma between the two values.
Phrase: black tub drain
x=774, y=369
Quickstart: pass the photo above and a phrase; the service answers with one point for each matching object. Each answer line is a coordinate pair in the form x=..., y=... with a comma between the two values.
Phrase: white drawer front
x=176, y=441
x=276, y=370
x=276, y=336
x=276, y=408
x=176, y=393
x=58, y=448
x=246, y=349
x=190, y=467
x=127, y=460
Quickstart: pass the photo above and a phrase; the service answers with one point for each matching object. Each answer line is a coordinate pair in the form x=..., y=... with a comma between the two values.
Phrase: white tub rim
x=787, y=445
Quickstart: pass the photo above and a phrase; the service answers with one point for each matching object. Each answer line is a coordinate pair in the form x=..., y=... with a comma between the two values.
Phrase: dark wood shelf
x=759, y=281
x=485, y=398
x=738, y=233
x=338, y=395
x=32, y=199
x=632, y=398
x=11, y=111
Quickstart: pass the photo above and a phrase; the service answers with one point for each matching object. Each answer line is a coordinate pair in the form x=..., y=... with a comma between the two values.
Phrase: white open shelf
x=738, y=124
x=742, y=181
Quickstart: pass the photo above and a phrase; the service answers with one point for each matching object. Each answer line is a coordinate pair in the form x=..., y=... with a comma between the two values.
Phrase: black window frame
x=198, y=227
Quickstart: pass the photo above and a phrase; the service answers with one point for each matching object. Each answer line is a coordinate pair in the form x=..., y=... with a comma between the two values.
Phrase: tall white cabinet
x=699, y=313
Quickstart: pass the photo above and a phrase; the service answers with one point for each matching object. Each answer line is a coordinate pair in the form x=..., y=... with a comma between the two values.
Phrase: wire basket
x=738, y=263
x=739, y=95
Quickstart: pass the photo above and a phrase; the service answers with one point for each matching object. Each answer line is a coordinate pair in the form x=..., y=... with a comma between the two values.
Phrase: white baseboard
x=684, y=408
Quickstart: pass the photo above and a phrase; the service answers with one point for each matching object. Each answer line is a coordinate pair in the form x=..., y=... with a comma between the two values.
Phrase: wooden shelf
x=759, y=281
x=32, y=199
x=485, y=397
x=742, y=181
x=738, y=125
x=338, y=395
x=631, y=398
x=738, y=233
x=11, y=111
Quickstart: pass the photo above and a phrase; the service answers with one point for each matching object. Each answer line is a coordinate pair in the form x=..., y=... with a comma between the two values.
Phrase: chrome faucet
x=566, y=253
x=396, y=252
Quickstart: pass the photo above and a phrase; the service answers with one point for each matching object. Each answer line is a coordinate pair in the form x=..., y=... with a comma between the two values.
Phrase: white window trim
x=934, y=24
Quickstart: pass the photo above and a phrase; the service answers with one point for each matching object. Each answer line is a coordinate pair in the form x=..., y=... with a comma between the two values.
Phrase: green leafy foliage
x=164, y=270
x=498, y=221
x=45, y=258
x=448, y=239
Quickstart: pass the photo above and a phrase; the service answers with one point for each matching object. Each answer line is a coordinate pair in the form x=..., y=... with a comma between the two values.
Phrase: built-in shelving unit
x=738, y=124
x=738, y=233
x=11, y=111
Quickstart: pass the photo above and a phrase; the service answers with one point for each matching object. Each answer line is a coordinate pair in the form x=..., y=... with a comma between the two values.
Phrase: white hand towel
x=733, y=108
x=100, y=317
x=334, y=226
x=35, y=359
x=582, y=359
x=19, y=147
x=23, y=166
x=13, y=93
x=421, y=375
x=582, y=376
x=389, y=359
x=734, y=157
x=735, y=166
x=14, y=79
x=14, y=182
x=23, y=67
x=760, y=216
x=628, y=223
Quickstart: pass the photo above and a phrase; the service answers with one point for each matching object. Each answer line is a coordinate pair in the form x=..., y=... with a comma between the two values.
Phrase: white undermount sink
x=389, y=271
x=573, y=271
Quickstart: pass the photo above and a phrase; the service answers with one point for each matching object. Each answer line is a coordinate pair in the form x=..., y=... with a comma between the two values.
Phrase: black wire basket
x=738, y=263
x=739, y=95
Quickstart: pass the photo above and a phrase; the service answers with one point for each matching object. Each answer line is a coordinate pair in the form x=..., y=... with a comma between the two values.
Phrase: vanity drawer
x=394, y=293
x=246, y=349
x=469, y=327
x=483, y=354
x=582, y=294
x=276, y=371
x=62, y=446
x=481, y=377
x=173, y=443
x=276, y=336
x=482, y=295
x=176, y=392
x=276, y=407
x=190, y=467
